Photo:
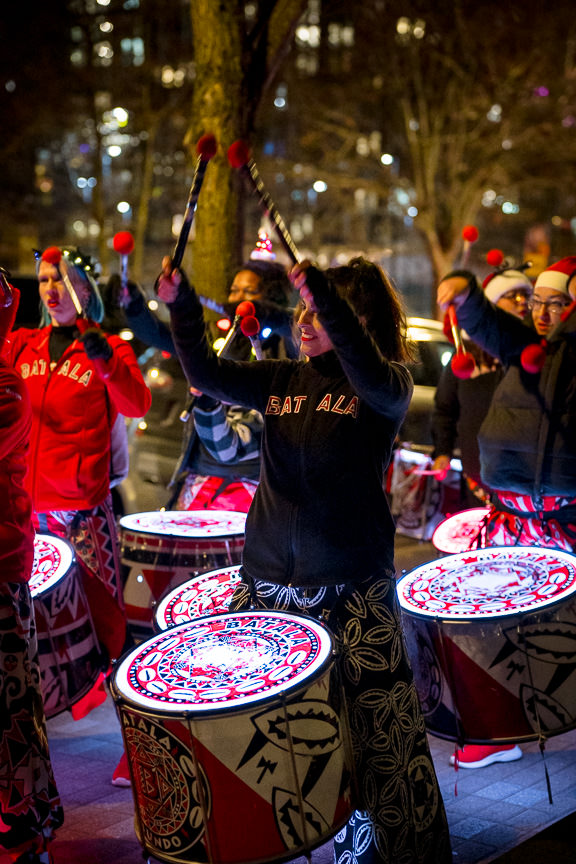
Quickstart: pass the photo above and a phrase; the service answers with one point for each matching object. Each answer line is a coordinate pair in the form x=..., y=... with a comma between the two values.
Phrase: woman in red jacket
x=30, y=808
x=79, y=380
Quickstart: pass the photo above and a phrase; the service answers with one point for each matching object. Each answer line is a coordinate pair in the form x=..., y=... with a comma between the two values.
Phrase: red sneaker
x=121, y=775
x=480, y=755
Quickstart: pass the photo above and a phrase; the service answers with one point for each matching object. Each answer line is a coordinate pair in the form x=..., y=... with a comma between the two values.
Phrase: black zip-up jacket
x=320, y=514
x=528, y=439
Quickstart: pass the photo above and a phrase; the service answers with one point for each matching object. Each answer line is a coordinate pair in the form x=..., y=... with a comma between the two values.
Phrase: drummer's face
x=548, y=304
x=314, y=339
x=246, y=286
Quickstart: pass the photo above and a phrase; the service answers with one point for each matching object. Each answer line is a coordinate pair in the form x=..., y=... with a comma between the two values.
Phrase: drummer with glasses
x=527, y=442
x=528, y=439
x=547, y=307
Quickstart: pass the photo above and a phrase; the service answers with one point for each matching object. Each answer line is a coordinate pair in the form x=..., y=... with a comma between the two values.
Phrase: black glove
x=184, y=286
x=133, y=297
x=205, y=402
x=464, y=274
x=96, y=345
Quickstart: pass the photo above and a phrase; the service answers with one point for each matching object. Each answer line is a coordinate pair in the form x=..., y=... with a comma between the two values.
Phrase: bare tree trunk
x=217, y=108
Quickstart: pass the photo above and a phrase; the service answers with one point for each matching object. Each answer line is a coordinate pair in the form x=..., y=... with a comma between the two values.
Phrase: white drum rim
x=128, y=523
x=486, y=553
x=67, y=558
x=160, y=611
x=124, y=694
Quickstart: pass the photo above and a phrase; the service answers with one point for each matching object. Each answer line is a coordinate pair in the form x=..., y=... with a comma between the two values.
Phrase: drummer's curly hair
x=274, y=283
x=373, y=296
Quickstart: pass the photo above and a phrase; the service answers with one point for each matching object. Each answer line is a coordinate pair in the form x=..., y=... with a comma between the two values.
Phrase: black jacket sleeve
x=385, y=385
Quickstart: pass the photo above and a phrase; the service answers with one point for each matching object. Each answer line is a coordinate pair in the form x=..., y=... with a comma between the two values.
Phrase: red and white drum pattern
x=207, y=594
x=68, y=650
x=232, y=721
x=492, y=639
x=163, y=549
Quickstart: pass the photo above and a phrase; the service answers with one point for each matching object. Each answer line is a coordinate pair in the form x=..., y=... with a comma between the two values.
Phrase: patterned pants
x=30, y=808
x=401, y=818
x=94, y=537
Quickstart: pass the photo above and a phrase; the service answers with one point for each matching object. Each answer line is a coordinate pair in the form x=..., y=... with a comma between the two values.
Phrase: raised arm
x=385, y=385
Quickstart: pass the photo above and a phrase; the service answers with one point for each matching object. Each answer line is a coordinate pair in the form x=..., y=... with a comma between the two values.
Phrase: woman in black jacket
x=319, y=534
x=528, y=440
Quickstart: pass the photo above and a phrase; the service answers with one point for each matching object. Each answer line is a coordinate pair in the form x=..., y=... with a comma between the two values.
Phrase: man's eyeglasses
x=517, y=297
x=555, y=307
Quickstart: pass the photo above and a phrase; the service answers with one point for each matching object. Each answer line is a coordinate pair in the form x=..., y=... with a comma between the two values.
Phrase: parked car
x=155, y=440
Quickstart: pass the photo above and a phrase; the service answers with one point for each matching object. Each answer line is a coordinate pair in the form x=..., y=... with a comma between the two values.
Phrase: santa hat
x=263, y=250
x=507, y=280
x=558, y=275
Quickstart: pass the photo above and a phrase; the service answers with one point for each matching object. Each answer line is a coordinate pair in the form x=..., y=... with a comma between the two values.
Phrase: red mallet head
x=245, y=308
x=206, y=147
x=494, y=257
x=470, y=233
x=250, y=326
x=533, y=357
x=123, y=242
x=52, y=255
x=462, y=364
x=238, y=154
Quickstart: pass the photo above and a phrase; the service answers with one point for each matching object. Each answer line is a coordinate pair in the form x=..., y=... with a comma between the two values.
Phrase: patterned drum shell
x=236, y=737
x=491, y=635
x=209, y=593
x=162, y=549
x=69, y=654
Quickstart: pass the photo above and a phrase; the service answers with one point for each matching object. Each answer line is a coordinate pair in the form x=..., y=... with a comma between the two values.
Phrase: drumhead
x=488, y=583
x=223, y=662
x=207, y=594
x=53, y=557
x=459, y=532
x=195, y=524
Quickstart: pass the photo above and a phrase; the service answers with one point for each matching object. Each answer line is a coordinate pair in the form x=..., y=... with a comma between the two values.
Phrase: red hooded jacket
x=16, y=529
x=73, y=410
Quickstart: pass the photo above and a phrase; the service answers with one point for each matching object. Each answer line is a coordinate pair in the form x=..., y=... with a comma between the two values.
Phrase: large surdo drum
x=162, y=549
x=207, y=594
x=491, y=635
x=236, y=738
x=69, y=655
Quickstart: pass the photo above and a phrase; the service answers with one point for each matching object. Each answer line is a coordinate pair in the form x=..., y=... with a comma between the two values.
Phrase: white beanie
x=509, y=280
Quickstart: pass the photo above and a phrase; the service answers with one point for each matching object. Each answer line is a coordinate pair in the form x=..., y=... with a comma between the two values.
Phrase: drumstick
x=243, y=310
x=462, y=362
x=123, y=244
x=250, y=327
x=240, y=159
x=470, y=236
x=206, y=149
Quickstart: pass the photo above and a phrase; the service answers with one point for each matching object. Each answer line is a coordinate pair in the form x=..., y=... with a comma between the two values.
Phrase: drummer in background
x=219, y=464
x=30, y=808
x=460, y=405
x=78, y=383
x=319, y=534
x=527, y=441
